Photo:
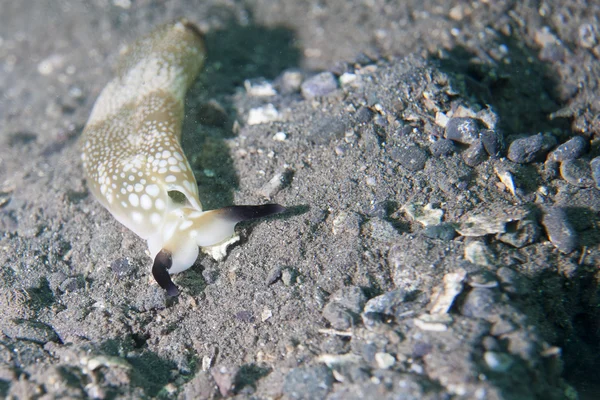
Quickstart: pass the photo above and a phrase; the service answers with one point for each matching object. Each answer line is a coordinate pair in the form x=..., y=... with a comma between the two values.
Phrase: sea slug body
x=134, y=163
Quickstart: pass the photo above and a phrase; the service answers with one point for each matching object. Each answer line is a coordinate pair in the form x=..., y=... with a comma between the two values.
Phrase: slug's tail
x=190, y=230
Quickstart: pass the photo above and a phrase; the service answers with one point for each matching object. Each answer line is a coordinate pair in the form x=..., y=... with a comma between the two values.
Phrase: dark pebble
x=421, y=349
x=462, y=130
x=412, y=158
x=274, y=275
x=379, y=309
x=531, y=148
x=595, y=167
x=380, y=209
x=443, y=147
x=363, y=115
x=441, y=231
x=559, y=229
x=245, y=316
x=520, y=234
x=339, y=317
x=492, y=142
x=210, y=275
x=122, y=267
x=478, y=303
x=309, y=382
x=570, y=150
x=318, y=85
x=475, y=154
x=344, y=307
x=577, y=173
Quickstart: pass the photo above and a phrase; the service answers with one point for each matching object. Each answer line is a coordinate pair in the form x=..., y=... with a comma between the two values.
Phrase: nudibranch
x=133, y=160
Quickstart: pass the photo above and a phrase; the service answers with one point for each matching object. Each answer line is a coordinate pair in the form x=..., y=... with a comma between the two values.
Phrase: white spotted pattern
x=132, y=158
x=131, y=140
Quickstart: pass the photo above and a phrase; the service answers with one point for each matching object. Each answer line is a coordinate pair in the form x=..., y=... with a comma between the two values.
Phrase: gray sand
x=407, y=266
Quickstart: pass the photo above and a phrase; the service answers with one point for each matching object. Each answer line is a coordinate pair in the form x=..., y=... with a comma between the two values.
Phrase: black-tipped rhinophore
x=160, y=271
x=244, y=213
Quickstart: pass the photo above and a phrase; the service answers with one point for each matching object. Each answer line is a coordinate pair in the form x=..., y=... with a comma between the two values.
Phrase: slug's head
x=175, y=247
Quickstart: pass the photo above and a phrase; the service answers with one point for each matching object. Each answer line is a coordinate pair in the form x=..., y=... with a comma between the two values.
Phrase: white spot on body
x=137, y=217
x=155, y=218
x=153, y=190
x=134, y=200
x=146, y=202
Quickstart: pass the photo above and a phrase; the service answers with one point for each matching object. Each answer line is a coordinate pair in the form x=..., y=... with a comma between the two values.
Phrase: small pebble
x=245, y=316
x=259, y=87
x=595, y=167
x=521, y=234
x=319, y=85
x=453, y=286
x=478, y=253
x=587, y=36
x=490, y=343
x=424, y=214
x=274, y=275
x=412, y=158
x=421, y=349
x=348, y=79
x=443, y=147
x=531, y=148
x=498, y=362
x=122, y=267
x=280, y=137
x=577, y=173
x=346, y=222
x=570, y=150
x=380, y=306
x=279, y=181
x=266, y=314
x=263, y=115
x=287, y=277
x=441, y=231
x=511, y=281
x=475, y=154
x=502, y=327
x=290, y=81
x=492, y=142
x=363, y=115
x=462, y=130
x=225, y=379
x=308, y=382
x=478, y=303
x=559, y=229
x=210, y=275
x=385, y=360
x=344, y=307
